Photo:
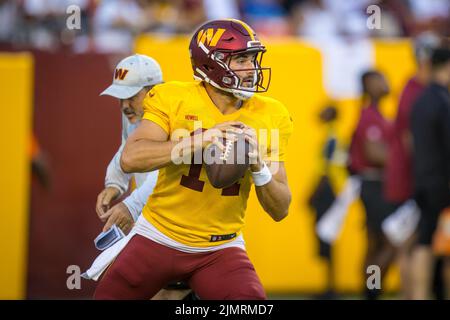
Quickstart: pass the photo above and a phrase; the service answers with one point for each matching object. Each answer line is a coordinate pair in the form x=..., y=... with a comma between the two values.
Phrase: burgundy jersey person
x=399, y=180
x=368, y=152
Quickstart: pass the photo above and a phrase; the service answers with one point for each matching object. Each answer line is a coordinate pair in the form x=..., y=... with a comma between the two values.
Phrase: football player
x=190, y=230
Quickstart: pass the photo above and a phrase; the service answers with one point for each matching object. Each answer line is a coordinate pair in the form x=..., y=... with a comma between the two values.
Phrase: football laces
x=227, y=150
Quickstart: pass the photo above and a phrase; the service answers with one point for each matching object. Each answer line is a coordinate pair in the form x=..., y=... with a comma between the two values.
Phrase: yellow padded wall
x=16, y=92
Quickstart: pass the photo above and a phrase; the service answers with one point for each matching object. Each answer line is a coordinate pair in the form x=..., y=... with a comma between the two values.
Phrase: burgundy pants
x=144, y=267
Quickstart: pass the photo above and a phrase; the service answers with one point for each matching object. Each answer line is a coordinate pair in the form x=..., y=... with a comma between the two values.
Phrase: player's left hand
x=121, y=216
x=256, y=163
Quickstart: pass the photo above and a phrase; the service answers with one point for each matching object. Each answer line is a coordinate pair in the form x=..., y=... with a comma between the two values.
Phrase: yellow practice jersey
x=184, y=205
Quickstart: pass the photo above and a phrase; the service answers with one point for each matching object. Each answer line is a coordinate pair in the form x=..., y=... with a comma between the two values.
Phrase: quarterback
x=189, y=230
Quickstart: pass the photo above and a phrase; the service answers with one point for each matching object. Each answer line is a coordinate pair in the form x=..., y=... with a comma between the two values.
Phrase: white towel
x=106, y=258
x=402, y=223
x=329, y=226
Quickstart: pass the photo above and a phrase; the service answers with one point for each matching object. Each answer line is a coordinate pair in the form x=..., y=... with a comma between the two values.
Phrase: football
x=226, y=167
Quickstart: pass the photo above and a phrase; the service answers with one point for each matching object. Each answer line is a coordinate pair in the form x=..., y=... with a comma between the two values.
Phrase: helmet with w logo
x=212, y=47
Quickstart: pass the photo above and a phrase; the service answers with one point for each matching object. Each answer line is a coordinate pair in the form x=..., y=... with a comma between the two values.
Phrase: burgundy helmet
x=211, y=49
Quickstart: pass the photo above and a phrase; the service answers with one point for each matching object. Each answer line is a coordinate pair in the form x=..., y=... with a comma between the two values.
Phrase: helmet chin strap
x=242, y=95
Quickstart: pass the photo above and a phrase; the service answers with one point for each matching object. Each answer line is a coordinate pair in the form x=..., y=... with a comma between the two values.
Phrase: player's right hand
x=221, y=130
x=104, y=200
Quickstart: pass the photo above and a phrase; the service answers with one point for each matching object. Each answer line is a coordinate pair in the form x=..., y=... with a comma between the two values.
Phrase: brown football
x=226, y=167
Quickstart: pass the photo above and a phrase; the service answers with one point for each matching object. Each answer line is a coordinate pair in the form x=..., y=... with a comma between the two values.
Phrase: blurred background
x=58, y=134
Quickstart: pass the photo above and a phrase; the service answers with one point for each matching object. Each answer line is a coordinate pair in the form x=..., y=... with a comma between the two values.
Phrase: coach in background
x=133, y=78
x=430, y=126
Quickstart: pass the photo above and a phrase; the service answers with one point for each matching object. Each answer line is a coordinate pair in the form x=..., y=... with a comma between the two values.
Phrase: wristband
x=262, y=177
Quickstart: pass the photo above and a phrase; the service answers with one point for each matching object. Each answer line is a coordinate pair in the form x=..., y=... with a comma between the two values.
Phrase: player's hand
x=256, y=163
x=119, y=215
x=225, y=129
x=104, y=200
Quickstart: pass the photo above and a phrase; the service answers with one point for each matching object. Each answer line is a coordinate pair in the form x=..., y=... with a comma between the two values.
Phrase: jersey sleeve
x=136, y=201
x=283, y=125
x=115, y=177
x=157, y=110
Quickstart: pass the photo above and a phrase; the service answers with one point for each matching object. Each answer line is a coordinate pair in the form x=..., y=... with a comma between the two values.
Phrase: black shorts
x=376, y=206
x=431, y=202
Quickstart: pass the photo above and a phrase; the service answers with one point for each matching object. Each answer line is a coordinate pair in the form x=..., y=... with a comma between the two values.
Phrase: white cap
x=132, y=74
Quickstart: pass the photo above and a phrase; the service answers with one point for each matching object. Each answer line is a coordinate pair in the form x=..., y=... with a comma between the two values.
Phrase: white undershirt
x=144, y=228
